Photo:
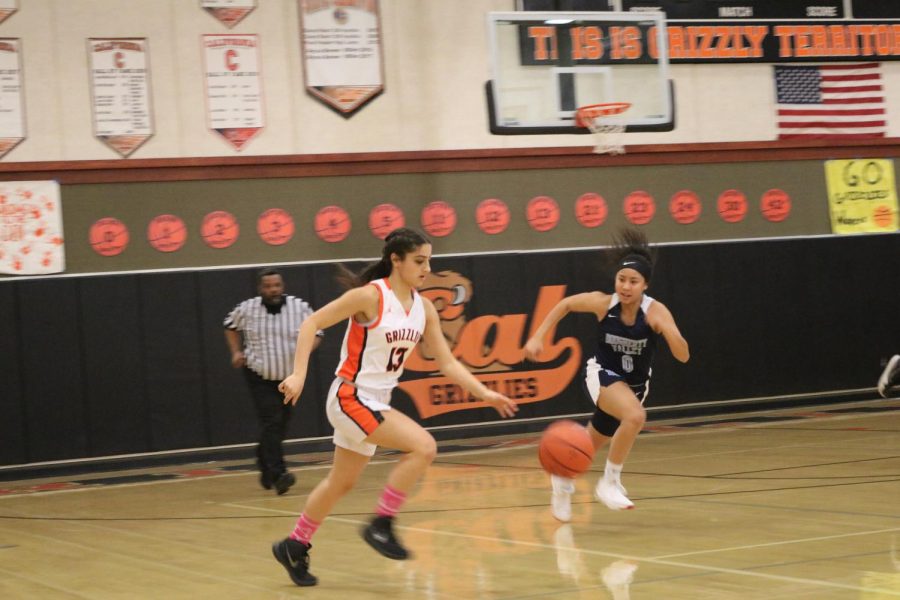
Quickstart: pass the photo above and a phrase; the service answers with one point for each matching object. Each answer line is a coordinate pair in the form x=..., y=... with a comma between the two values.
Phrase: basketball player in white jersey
x=385, y=317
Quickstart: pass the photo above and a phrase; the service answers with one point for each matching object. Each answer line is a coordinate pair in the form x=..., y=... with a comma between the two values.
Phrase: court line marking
x=801, y=509
x=494, y=450
x=782, y=543
x=659, y=561
x=194, y=574
x=262, y=558
x=88, y=487
x=44, y=584
x=676, y=421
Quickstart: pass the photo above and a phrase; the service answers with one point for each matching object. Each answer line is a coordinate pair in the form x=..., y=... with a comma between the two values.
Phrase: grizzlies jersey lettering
x=626, y=350
x=373, y=354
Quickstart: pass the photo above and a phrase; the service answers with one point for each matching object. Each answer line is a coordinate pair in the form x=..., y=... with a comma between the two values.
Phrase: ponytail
x=400, y=242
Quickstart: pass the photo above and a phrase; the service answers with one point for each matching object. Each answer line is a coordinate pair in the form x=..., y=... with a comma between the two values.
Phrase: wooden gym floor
x=801, y=503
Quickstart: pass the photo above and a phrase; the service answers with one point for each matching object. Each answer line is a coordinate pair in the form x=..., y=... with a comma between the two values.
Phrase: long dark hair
x=400, y=241
x=629, y=242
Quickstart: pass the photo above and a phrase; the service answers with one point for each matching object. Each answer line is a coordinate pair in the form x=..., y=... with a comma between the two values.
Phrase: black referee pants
x=273, y=416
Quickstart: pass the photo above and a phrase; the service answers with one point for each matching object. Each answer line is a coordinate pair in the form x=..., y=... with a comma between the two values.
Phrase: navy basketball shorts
x=595, y=379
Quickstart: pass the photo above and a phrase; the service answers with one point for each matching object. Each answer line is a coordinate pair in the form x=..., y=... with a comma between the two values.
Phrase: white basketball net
x=604, y=122
x=607, y=135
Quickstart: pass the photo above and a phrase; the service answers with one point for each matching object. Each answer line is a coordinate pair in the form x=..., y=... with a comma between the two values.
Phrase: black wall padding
x=52, y=362
x=173, y=361
x=123, y=364
x=231, y=414
x=12, y=424
x=116, y=396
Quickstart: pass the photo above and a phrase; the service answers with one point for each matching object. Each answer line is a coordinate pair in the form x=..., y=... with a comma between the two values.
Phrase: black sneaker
x=380, y=535
x=294, y=557
x=284, y=482
x=265, y=481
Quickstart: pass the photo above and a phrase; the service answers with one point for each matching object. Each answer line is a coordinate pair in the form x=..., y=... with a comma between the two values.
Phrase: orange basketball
x=275, y=226
x=385, y=218
x=332, y=224
x=219, y=229
x=439, y=218
x=685, y=207
x=492, y=216
x=732, y=205
x=566, y=449
x=590, y=209
x=775, y=205
x=166, y=233
x=639, y=207
x=108, y=236
x=542, y=213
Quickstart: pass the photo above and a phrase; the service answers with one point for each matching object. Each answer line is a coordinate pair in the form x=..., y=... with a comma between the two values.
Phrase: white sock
x=562, y=484
x=613, y=472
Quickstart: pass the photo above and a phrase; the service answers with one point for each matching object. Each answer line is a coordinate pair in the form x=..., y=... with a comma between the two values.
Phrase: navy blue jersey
x=626, y=350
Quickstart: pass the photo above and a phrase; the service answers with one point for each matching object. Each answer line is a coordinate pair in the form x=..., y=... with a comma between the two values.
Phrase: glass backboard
x=544, y=65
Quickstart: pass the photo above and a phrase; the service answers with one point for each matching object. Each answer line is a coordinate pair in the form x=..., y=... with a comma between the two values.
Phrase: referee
x=268, y=324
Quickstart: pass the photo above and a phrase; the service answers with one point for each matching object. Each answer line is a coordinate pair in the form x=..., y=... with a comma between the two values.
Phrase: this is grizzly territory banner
x=609, y=42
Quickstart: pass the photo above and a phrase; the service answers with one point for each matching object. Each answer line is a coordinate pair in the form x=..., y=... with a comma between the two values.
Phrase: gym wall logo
x=491, y=346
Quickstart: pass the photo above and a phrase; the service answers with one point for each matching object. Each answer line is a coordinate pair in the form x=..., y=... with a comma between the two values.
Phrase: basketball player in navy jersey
x=617, y=377
x=386, y=317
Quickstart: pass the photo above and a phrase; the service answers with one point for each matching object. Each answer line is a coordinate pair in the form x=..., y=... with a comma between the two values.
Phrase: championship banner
x=228, y=12
x=12, y=110
x=7, y=8
x=341, y=46
x=862, y=196
x=234, y=99
x=120, y=92
x=31, y=229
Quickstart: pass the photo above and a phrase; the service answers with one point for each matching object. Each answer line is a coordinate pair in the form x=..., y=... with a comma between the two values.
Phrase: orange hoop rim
x=584, y=114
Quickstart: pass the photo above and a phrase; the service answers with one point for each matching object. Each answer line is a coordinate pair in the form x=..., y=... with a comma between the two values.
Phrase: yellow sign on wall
x=862, y=195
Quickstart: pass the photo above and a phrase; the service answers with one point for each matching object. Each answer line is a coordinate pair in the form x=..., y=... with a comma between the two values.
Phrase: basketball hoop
x=607, y=133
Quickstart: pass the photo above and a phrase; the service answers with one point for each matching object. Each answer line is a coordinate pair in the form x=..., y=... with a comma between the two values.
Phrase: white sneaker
x=891, y=372
x=610, y=494
x=561, y=498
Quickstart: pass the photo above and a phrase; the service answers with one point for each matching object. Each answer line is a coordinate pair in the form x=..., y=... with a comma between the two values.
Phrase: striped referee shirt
x=270, y=336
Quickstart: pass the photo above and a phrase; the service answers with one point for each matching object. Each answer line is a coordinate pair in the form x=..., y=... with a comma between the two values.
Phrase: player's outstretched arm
x=455, y=370
x=662, y=321
x=361, y=302
x=589, y=302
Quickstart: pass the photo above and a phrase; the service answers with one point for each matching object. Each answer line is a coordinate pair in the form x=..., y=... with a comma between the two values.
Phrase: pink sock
x=304, y=529
x=390, y=502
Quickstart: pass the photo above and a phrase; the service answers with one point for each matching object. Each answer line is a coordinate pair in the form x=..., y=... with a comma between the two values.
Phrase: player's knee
x=426, y=448
x=635, y=417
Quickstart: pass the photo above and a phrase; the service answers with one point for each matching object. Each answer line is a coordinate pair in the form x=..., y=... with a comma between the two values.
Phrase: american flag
x=840, y=101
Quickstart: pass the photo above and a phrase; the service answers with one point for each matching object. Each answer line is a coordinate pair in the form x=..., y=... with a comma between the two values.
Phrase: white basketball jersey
x=373, y=354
